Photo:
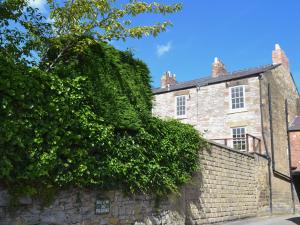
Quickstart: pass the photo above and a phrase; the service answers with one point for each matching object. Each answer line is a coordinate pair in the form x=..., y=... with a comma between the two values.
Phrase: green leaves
x=23, y=30
x=106, y=19
x=26, y=35
x=89, y=124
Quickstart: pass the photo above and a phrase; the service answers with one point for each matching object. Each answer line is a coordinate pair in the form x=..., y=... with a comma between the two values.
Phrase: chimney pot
x=218, y=68
x=279, y=57
x=167, y=80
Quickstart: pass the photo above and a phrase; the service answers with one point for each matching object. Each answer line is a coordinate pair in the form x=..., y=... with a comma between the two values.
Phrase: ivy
x=88, y=124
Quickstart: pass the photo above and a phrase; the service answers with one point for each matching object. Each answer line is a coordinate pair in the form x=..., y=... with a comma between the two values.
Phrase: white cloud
x=163, y=49
x=40, y=4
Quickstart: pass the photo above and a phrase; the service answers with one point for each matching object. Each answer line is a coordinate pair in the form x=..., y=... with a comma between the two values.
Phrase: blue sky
x=242, y=33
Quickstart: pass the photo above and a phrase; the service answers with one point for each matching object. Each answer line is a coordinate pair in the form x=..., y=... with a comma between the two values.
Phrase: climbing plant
x=75, y=112
x=88, y=124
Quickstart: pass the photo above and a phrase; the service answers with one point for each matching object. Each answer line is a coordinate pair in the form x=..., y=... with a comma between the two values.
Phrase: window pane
x=237, y=97
x=180, y=105
x=239, y=140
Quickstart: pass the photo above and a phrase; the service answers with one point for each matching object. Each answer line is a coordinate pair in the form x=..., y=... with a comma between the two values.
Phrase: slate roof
x=209, y=80
x=295, y=125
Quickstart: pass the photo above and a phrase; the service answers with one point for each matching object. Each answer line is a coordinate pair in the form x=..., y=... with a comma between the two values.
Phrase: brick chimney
x=167, y=79
x=218, y=68
x=279, y=57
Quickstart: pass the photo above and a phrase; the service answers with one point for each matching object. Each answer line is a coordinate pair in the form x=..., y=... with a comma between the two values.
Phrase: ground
x=275, y=220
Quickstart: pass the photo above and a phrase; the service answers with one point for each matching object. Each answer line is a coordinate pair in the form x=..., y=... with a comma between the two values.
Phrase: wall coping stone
x=261, y=155
x=230, y=149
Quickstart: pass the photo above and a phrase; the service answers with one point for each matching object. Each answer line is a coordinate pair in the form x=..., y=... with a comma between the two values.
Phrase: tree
x=103, y=20
x=23, y=30
x=106, y=19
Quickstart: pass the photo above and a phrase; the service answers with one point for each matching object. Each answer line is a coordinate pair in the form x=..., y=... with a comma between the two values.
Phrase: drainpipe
x=271, y=125
x=289, y=151
x=266, y=146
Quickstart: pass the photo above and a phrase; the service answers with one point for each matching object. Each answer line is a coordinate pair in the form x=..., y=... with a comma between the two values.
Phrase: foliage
x=104, y=20
x=107, y=19
x=23, y=30
x=81, y=117
x=118, y=85
x=88, y=124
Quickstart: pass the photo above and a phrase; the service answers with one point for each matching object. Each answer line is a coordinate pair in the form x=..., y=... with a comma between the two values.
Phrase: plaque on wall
x=102, y=206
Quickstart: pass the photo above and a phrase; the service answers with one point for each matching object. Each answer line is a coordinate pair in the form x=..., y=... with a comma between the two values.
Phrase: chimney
x=167, y=80
x=279, y=57
x=218, y=68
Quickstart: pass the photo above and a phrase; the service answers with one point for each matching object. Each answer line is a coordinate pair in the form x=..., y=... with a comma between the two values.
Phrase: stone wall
x=77, y=207
x=231, y=185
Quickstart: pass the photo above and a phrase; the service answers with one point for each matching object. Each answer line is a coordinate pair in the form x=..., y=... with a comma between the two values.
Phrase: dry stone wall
x=231, y=185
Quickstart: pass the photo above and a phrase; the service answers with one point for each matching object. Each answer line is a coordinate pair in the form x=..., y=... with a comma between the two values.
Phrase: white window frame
x=230, y=98
x=185, y=104
x=242, y=150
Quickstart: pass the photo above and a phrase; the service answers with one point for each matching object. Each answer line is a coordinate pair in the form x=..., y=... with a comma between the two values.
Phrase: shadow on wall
x=295, y=220
x=194, y=208
x=194, y=199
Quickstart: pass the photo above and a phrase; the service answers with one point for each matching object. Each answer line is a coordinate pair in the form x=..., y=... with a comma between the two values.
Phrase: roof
x=295, y=125
x=210, y=80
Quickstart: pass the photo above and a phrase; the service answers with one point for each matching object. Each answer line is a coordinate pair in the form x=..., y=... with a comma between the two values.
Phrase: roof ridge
x=252, y=68
x=210, y=80
x=201, y=78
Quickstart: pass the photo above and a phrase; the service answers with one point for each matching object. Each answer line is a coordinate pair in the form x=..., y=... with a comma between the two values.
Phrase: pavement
x=274, y=220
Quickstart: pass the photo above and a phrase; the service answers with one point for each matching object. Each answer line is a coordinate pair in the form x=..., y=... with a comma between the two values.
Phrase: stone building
x=249, y=110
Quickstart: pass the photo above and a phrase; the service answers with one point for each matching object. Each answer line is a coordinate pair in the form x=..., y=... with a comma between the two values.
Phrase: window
x=181, y=106
x=239, y=138
x=237, y=97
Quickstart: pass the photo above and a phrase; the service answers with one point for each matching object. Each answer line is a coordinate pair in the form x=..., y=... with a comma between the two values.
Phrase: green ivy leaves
x=88, y=124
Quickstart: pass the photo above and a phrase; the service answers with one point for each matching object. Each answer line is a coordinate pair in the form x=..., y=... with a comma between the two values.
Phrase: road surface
x=275, y=220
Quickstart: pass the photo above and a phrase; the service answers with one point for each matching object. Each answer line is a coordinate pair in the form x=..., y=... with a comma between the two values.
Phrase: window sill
x=232, y=111
x=181, y=117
